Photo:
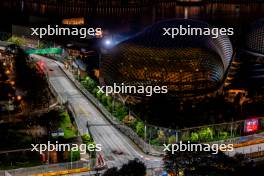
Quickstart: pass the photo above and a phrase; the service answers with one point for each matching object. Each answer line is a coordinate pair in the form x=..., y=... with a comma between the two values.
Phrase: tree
x=194, y=137
x=104, y=99
x=205, y=134
x=140, y=128
x=161, y=136
x=99, y=95
x=111, y=172
x=89, y=83
x=132, y=168
x=32, y=80
x=120, y=111
x=172, y=139
x=16, y=40
x=74, y=155
x=223, y=135
x=86, y=138
x=199, y=163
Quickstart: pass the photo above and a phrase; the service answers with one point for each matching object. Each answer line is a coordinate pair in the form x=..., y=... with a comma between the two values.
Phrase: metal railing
x=47, y=168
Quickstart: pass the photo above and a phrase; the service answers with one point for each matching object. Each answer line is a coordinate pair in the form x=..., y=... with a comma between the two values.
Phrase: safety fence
x=48, y=168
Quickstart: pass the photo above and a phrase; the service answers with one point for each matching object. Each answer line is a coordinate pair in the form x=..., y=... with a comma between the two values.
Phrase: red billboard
x=251, y=125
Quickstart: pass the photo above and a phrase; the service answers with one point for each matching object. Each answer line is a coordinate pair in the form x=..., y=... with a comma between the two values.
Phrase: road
x=109, y=137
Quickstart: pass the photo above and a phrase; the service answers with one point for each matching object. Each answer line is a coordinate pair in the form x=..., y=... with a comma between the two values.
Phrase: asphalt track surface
x=117, y=149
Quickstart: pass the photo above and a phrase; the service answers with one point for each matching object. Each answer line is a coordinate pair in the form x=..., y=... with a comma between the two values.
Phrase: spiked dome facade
x=188, y=65
x=255, y=37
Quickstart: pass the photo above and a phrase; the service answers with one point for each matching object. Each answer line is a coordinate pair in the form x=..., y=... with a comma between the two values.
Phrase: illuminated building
x=254, y=39
x=187, y=65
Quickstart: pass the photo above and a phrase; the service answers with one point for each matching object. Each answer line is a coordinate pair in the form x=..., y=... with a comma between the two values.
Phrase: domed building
x=254, y=38
x=189, y=65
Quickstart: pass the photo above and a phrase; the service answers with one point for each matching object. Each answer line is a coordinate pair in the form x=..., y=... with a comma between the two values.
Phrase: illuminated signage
x=45, y=51
x=251, y=125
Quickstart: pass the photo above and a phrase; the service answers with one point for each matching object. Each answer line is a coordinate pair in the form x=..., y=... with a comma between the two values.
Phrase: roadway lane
x=109, y=137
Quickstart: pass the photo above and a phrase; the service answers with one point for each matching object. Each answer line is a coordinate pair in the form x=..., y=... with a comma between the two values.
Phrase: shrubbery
x=86, y=138
x=118, y=110
x=140, y=129
x=205, y=135
x=74, y=156
x=66, y=125
x=16, y=40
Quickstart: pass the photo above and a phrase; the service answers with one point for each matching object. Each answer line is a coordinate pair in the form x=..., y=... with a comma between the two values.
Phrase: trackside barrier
x=244, y=144
x=65, y=172
x=58, y=167
x=255, y=155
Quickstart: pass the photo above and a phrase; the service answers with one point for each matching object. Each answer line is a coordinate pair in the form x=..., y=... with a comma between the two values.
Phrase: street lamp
x=19, y=97
x=107, y=42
